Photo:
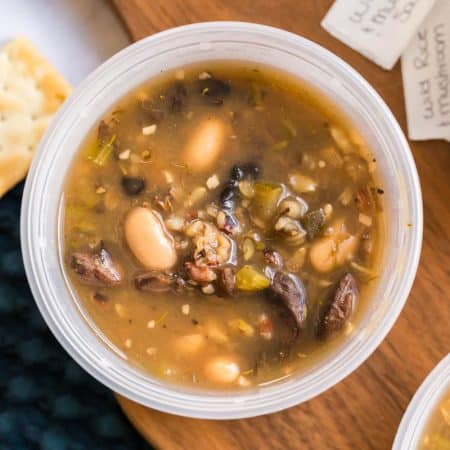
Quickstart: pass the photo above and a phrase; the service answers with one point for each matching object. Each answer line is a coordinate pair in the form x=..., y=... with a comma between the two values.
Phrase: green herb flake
x=103, y=152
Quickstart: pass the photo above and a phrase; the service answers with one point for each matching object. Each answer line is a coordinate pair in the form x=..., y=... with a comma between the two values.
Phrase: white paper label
x=426, y=77
x=378, y=29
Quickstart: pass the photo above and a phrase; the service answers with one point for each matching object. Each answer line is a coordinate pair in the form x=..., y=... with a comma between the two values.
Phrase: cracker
x=31, y=90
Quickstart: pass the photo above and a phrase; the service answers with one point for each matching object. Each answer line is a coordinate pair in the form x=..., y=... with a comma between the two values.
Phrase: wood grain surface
x=363, y=411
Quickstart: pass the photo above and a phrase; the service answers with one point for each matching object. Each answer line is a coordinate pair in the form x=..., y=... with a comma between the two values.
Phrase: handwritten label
x=426, y=77
x=378, y=29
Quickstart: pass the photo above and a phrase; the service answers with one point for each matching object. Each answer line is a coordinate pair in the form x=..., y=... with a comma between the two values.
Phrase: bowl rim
x=240, y=405
x=422, y=405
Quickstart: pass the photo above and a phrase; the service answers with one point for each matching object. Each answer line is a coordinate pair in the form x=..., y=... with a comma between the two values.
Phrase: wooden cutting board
x=363, y=411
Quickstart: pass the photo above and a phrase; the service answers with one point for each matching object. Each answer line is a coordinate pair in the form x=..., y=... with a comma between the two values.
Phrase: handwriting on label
x=379, y=29
x=372, y=15
x=426, y=77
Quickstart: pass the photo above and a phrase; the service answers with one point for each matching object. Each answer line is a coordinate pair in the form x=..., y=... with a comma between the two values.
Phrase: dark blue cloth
x=47, y=402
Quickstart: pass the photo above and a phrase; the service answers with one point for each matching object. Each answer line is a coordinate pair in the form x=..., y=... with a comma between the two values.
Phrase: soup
x=222, y=226
x=437, y=431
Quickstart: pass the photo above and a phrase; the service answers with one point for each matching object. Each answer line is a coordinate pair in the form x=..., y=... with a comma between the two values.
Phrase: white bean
x=205, y=145
x=149, y=240
x=322, y=254
x=222, y=369
x=334, y=250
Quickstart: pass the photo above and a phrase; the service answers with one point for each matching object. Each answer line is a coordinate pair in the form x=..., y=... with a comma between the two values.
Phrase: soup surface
x=222, y=226
x=437, y=431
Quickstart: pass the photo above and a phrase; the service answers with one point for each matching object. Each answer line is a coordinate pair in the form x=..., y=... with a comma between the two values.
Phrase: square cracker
x=31, y=90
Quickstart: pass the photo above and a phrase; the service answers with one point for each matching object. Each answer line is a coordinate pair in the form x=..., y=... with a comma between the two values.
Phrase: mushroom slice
x=96, y=268
x=227, y=280
x=155, y=281
x=290, y=290
x=340, y=308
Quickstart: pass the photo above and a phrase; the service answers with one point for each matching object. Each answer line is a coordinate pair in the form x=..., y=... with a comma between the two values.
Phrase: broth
x=222, y=225
x=437, y=432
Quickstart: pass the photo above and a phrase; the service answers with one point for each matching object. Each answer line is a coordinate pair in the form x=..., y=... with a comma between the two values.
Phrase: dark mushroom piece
x=96, y=268
x=155, y=281
x=272, y=257
x=227, y=280
x=290, y=291
x=341, y=307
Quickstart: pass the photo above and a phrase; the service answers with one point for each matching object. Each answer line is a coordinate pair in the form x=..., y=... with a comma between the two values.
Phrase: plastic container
x=422, y=406
x=41, y=227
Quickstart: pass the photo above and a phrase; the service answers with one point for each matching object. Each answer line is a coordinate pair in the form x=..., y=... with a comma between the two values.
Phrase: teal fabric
x=47, y=402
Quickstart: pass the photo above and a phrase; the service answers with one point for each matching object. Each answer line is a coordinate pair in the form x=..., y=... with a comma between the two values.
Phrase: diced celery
x=250, y=279
x=100, y=154
x=265, y=202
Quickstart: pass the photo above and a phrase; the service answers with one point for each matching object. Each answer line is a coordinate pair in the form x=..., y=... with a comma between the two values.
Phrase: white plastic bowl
x=422, y=406
x=41, y=225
